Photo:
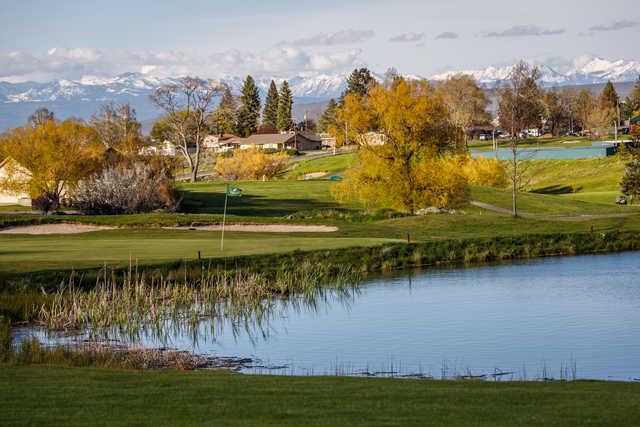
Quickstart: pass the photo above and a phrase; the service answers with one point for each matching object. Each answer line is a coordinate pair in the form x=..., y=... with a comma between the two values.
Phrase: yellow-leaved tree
x=485, y=172
x=50, y=158
x=252, y=164
x=409, y=148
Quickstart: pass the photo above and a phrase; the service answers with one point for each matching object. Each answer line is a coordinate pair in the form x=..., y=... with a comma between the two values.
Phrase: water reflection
x=552, y=318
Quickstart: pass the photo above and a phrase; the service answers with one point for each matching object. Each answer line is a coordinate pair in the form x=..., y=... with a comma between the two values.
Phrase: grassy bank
x=53, y=395
x=362, y=258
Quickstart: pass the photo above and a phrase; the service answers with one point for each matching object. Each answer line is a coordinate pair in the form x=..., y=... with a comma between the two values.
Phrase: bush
x=485, y=172
x=126, y=189
x=252, y=164
x=46, y=202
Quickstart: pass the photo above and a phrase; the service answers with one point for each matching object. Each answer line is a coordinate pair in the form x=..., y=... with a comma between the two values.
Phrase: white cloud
x=330, y=39
x=447, y=35
x=526, y=30
x=616, y=26
x=407, y=38
x=72, y=64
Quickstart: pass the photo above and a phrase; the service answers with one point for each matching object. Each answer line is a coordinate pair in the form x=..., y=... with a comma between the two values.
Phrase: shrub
x=127, y=189
x=252, y=164
x=46, y=203
x=485, y=172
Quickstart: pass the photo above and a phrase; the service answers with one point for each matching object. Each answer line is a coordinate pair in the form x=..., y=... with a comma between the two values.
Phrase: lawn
x=264, y=199
x=557, y=142
x=24, y=253
x=273, y=202
x=329, y=165
x=545, y=205
x=50, y=395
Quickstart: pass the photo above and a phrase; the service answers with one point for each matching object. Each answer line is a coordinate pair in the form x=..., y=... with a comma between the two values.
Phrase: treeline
x=93, y=166
x=554, y=110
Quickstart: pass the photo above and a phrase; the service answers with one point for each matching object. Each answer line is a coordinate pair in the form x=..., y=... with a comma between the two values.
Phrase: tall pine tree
x=224, y=118
x=250, y=108
x=285, y=105
x=270, y=111
x=359, y=82
x=609, y=97
x=329, y=117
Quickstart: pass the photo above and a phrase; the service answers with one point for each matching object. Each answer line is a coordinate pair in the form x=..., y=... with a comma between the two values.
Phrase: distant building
x=11, y=168
x=375, y=138
x=302, y=141
x=327, y=140
x=219, y=143
x=165, y=148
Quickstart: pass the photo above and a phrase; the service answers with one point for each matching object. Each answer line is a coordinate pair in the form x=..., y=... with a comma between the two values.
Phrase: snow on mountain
x=582, y=70
x=83, y=97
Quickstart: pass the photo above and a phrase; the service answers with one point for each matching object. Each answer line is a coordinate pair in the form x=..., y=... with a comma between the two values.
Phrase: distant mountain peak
x=584, y=69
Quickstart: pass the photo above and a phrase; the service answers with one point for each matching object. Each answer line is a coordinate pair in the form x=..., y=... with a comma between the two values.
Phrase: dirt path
x=489, y=207
x=61, y=228
x=262, y=228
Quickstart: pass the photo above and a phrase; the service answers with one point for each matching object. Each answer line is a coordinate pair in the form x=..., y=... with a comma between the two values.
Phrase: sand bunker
x=263, y=228
x=53, y=229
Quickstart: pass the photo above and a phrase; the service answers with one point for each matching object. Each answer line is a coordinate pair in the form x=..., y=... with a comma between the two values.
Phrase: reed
x=134, y=304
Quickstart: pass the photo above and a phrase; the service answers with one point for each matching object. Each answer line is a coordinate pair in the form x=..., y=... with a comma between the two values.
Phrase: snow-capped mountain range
x=581, y=71
x=83, y=97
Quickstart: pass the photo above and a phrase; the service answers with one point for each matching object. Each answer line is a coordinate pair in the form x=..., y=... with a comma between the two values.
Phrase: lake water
x=556, y=317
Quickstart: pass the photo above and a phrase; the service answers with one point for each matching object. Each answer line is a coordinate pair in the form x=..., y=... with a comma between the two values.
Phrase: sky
x=44, y=40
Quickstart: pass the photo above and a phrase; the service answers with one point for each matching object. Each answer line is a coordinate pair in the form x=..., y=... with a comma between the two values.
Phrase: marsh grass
x=134, y=304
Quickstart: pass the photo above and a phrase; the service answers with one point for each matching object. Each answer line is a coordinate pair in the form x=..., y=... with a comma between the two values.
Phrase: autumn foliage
x=485, y=172
x=251, y=164
x=416, y=166
x=52, y=157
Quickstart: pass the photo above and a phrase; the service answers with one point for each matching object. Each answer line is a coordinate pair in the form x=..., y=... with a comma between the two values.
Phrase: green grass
x=547, y=205
x=330, y=165
x=266, y=199
x=52, y=395
x=14, y=208
x=563, y=141
x=273, y=202
x=573, y=176
x=153, y=246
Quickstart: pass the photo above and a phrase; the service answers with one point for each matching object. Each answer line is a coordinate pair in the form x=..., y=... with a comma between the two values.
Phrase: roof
x=635, y=120
x=274, y=138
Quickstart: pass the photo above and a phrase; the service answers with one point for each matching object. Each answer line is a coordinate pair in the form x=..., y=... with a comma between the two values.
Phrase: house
x=165, y=148
x=327, y=140
x=302, y=141
x=375, y=138
x=219, y=143
x=11, y=168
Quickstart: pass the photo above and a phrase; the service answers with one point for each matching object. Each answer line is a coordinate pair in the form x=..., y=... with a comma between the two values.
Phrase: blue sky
x=280, y=38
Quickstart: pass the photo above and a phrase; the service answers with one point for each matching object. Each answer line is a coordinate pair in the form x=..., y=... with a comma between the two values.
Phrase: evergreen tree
x=608, y=102
x=631, y=106
x=359, y=82
x=270, y=111
x=224, y=118
x=285, y=105
x=249, y=109
x=329, y=117
x=630, y=184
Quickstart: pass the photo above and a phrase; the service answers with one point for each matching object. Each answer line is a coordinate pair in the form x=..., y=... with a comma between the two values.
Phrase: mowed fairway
x=21, y=253
x=141, y=240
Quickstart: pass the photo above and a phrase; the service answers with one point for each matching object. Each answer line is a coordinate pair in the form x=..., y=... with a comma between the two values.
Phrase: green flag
x=234, y=191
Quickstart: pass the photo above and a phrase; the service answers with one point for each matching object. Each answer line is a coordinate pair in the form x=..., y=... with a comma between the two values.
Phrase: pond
x=575, y=317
